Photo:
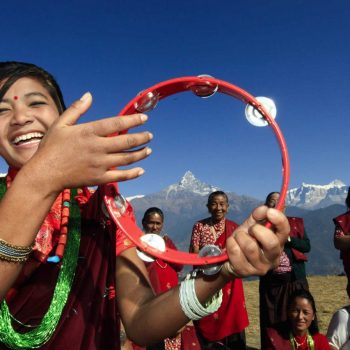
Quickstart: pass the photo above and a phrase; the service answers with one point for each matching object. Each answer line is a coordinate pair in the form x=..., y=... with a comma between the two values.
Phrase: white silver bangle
x=190, y=304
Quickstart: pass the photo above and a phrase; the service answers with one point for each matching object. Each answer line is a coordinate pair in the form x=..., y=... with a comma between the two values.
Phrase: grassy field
x=328, y=291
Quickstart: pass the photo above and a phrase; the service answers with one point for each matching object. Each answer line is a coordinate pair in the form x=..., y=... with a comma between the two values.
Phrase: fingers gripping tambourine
x=259, y=112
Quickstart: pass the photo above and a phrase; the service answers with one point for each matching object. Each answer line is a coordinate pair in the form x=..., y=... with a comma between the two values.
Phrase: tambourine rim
x=172, y=255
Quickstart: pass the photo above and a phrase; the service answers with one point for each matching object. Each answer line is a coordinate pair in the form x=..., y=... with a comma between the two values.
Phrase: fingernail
x=150, y=135
x=143, y=117
x=141, y=172
x=85, y=96
x=148, y=150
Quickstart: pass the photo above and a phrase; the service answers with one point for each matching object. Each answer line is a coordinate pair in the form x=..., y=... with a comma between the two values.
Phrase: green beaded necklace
x=310, y=341
x=43, y=332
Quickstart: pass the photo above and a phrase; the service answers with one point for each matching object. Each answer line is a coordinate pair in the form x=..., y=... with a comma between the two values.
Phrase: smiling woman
x=63, y=259
x=228, y=323
x=26, y=112
x=300, y=332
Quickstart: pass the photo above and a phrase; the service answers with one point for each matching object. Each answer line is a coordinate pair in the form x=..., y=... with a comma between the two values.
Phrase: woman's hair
x=217, y=193
x=347, y=200
x=151, y=211
x=11, y=71
x=305, y=294
x=269, y=196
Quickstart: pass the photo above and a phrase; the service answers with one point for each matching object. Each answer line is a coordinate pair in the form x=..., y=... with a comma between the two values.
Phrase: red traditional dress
x=232, y=315
x=279, y=338
x=164, y=276
x=277, y=285
x=342, y=228
x=89, y=319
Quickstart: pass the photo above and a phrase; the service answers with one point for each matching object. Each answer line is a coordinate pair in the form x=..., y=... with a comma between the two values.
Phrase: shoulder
x=343, y=313
x=202, y=222
x=320, y=339
x=278, y=336
x=342, y=217
x=230, y=223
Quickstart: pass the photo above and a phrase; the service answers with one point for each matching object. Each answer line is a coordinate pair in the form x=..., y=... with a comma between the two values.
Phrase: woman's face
x=273, y=200
x=153, y=223
x=218, y=207
x=26, y=113
x=300, y=315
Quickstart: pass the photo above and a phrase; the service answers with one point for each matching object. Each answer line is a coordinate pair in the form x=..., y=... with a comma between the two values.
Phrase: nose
x=21, y=116
x=300, y=315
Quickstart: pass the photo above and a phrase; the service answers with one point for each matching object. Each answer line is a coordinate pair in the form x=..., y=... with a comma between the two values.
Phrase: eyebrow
x=29, y=94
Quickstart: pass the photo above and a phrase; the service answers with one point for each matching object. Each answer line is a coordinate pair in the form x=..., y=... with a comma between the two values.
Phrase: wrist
x=38, y=179
x=228, y=272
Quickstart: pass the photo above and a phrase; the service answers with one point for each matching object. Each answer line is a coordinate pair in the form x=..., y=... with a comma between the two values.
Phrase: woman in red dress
x=164, y=276
x=72, y=298
x=228, y=323
x=300, y=331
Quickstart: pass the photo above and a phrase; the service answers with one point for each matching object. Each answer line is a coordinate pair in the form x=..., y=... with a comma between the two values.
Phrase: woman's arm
x=69, y=156
x=195, y=237
x=301, y=244
x=253, y=250
x=338, y=332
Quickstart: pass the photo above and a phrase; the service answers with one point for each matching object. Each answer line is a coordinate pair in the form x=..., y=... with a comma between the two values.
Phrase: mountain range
x=184, y=203
x=316, y=196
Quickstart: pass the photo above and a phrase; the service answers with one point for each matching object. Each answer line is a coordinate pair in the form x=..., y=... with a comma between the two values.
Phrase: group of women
x=287, y=308
x=68, y=272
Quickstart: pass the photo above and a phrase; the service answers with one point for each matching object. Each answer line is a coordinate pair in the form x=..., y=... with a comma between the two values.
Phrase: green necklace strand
x=43, y=332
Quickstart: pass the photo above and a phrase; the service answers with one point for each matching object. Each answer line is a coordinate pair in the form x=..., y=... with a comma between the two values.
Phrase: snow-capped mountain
x=184, y=203
x=307, y=196
x=310, y=196
x=190, y=183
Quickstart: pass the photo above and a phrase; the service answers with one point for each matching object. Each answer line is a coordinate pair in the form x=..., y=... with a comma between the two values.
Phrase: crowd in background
x=287, y=309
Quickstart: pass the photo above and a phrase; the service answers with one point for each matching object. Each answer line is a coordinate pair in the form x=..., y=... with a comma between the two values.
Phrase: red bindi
x=15, y=97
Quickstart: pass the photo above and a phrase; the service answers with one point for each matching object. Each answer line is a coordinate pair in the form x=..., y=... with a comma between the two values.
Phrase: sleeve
x=301, y=244
x=122, y=241
x=196, y=233
x=338, y=330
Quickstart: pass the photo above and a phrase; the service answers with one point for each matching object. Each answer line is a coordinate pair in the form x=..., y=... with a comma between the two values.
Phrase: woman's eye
x=3, y=110
x=37, y=103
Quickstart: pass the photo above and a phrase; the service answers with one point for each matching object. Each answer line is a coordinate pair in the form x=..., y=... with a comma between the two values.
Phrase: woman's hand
x=72, y=155
x=253, y=249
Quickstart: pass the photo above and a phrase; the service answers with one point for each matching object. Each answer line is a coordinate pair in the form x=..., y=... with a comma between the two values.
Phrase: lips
x=26, y=138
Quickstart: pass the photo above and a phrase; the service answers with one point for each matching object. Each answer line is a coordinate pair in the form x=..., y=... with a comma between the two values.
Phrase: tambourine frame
x=163, y=90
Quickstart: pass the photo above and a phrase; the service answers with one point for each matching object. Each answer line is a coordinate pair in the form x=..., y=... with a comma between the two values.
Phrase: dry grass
x=329, y=293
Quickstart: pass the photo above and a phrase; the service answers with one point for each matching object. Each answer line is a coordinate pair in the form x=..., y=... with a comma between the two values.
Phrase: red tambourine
x=202, y=86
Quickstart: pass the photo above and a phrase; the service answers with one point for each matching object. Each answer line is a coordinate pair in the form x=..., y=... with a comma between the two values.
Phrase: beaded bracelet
x=14, y=253
x=190, y=304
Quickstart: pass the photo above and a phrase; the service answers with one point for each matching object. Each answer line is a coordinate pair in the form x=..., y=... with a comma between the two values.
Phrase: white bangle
x=190, y=304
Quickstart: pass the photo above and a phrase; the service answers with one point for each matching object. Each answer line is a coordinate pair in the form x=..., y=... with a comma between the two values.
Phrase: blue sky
x=296, y=52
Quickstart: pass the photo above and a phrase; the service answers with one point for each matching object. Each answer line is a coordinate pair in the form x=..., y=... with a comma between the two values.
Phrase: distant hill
x=185, y=203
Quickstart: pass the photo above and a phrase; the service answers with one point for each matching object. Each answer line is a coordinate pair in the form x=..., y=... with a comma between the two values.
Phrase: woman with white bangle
x=46, y=206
